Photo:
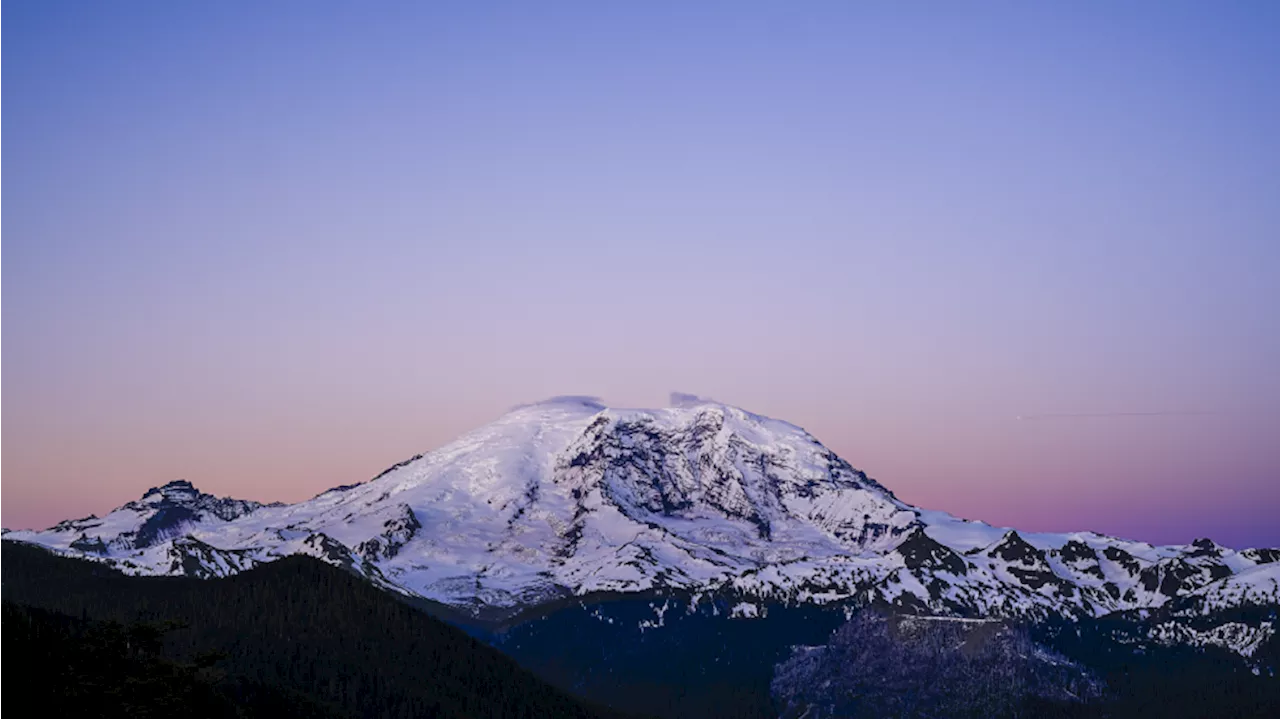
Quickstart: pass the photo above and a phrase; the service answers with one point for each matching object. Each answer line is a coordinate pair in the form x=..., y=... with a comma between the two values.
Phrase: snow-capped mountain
x=162, y=513
x=569, y=497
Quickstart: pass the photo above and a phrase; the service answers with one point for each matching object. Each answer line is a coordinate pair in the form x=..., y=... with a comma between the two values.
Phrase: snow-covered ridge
x=570, y=497
x=162, y=514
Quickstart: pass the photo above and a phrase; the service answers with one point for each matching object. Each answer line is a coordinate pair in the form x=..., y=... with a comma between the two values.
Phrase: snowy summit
x=569, y=497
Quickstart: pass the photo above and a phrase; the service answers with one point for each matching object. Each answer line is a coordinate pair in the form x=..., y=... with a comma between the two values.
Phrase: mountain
x=568, y=498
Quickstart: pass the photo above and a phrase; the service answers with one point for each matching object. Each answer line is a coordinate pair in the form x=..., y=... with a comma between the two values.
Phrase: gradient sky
x=276, y=247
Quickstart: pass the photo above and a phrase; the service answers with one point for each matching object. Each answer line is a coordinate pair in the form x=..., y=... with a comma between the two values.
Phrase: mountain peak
x=171, y=506
x=1205, y=547
x=1013, y=548
x=174, y=487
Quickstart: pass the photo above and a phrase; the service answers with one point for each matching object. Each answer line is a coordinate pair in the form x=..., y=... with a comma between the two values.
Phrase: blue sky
x=275, y=247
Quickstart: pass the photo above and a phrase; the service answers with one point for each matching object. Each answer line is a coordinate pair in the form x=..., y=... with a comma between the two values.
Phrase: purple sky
x=272, y=248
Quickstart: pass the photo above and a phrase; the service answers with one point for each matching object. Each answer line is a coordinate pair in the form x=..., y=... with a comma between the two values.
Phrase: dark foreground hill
x=295, y=633
x=77, y=667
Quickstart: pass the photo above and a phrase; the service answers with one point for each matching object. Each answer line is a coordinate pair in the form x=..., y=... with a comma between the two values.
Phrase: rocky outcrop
x=880, y=665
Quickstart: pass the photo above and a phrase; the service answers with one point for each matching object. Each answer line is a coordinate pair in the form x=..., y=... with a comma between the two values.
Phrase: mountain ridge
x=569, y=497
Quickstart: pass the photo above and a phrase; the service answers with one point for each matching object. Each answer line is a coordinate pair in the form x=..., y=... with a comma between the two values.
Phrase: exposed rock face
x=1125, y=560
x=1080, y=559
x=902, y=666
x=921, y=552
x=1023, y=561
x=703, y=468
x=397, y=531
x=1262, y=555
x=193, y=558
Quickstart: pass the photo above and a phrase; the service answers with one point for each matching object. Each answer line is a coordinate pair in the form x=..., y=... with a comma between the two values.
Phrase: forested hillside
x=76, y=667
x=296, y=626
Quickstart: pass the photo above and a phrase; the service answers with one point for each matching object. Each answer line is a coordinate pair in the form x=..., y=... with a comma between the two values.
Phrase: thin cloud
x=1105, y=415
x=682, y=400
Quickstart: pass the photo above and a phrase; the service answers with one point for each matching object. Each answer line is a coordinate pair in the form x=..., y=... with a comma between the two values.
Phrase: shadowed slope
x=302, y=625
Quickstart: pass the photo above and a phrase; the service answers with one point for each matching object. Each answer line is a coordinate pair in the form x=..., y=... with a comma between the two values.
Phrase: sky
x=276, y=247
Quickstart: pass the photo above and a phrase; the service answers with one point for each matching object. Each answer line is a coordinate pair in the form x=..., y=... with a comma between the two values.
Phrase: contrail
x=1094, y=415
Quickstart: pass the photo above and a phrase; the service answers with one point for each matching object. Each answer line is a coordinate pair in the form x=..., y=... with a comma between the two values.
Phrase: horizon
x=272, y=250
x=676, y=400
